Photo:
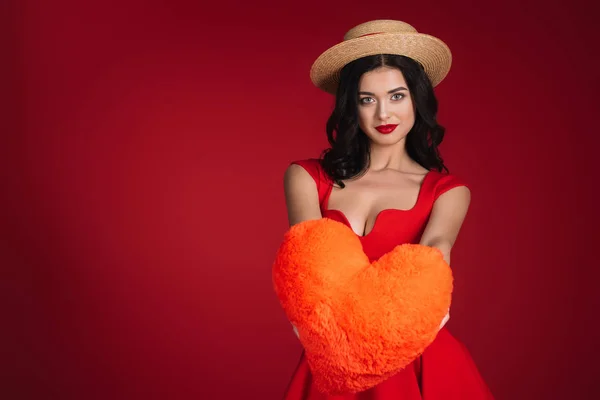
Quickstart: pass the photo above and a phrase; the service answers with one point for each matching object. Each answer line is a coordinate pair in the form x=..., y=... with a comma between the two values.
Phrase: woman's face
x=385, y=108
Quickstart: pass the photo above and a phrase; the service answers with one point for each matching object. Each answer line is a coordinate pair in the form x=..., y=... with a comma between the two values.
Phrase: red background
x=143, y=156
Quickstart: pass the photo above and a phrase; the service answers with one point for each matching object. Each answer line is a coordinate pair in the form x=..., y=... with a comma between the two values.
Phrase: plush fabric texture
x=359, y=322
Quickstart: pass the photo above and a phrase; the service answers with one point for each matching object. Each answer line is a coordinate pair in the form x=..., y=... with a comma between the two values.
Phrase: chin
x=389, y=139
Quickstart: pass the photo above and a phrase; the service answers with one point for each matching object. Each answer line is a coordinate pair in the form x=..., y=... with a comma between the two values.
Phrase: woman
x=383, y=177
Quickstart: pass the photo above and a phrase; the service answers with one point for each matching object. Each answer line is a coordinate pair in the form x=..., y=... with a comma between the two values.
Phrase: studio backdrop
x=142, y=172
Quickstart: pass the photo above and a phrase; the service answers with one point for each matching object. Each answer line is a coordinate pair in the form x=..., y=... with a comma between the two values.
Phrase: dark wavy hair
x=348, y=155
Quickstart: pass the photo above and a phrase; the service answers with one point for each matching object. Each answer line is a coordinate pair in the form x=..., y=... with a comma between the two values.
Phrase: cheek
x=406, y=113
x=408, y=118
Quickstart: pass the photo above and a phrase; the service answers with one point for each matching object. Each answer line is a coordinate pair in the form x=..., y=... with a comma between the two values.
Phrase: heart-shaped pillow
x=359, y=322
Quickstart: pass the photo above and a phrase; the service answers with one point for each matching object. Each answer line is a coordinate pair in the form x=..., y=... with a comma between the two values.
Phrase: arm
x=446, y=219
x=449, y=212
x=301, y=196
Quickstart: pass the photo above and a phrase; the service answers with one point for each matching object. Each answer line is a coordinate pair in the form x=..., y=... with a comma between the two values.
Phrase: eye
x=366, y=100
x=397, y=96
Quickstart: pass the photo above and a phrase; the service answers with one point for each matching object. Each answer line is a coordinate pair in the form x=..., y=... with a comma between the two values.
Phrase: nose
x=382, y=112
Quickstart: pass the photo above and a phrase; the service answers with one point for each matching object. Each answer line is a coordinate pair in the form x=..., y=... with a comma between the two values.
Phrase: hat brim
x=431, y=52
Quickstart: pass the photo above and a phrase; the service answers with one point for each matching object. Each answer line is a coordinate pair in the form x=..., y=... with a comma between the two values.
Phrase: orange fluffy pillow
x=359, y=322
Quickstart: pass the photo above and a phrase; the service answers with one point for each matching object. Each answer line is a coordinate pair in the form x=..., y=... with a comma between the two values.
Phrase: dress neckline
x=379, y=214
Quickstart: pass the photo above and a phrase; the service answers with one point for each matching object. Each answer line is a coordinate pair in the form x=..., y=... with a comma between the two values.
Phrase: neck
x=390, y=157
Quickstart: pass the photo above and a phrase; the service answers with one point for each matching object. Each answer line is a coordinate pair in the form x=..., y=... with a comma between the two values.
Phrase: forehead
x=382, y=79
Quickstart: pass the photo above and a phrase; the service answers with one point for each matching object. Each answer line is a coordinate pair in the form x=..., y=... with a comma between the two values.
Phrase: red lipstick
x=386, y=128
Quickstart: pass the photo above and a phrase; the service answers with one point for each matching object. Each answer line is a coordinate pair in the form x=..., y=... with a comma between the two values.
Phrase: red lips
x=386, y=128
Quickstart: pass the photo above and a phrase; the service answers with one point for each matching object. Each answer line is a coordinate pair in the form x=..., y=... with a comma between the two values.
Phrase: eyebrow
x=389, y=92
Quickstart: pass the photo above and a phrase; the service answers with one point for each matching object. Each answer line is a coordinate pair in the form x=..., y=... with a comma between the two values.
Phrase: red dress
x=445, y=371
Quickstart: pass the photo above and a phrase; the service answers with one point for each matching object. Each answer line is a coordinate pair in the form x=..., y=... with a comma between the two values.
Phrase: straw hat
x=382, y=37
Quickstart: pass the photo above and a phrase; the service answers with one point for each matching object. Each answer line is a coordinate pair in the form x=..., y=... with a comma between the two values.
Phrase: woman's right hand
x=445, y=320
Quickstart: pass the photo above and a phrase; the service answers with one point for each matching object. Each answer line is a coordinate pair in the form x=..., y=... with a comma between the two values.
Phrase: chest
x=362, y=201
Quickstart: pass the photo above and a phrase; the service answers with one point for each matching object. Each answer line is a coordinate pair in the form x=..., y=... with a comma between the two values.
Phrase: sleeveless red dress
x=445, y=371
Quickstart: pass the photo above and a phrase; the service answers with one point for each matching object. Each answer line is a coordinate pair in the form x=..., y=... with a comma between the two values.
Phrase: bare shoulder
x=295, y=173
x=297, y=180
x=452, y=199
x=457, y=196
x=451, y=189
x=301, y=195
